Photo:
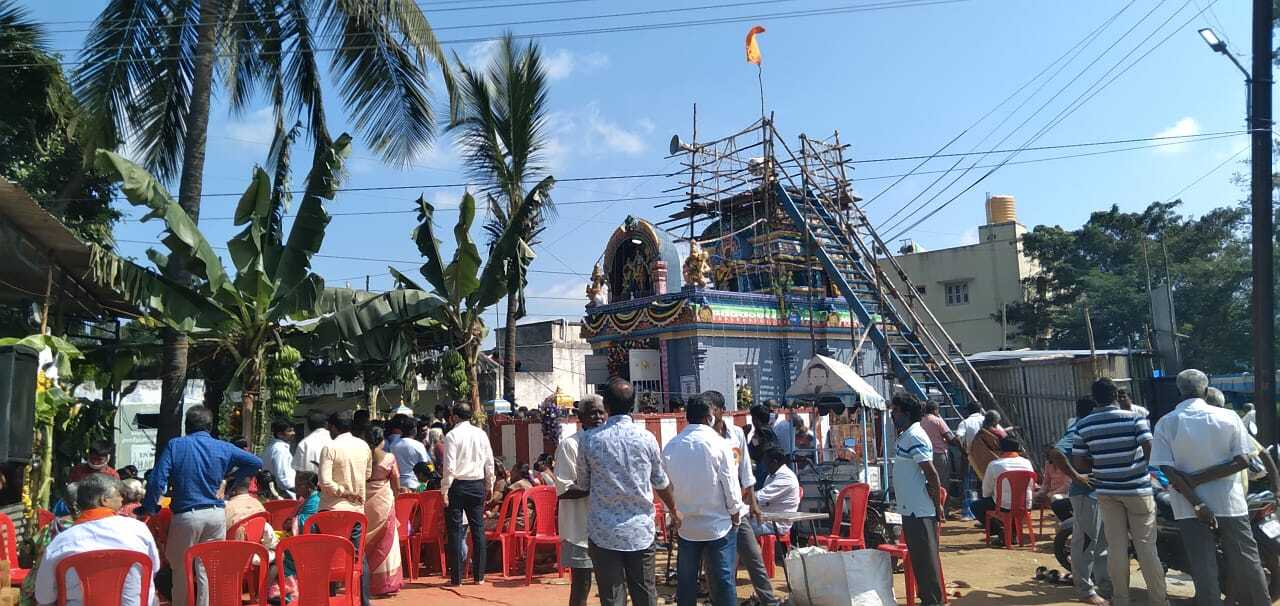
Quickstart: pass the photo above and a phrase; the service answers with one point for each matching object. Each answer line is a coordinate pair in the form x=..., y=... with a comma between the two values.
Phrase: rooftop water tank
x=1001, y=209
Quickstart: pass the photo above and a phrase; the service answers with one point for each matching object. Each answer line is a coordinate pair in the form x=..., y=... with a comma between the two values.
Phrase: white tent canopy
x=823, y=376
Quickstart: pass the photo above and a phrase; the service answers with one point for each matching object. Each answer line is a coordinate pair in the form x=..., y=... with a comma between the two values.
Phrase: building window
x=958, y=293
x=921, y=290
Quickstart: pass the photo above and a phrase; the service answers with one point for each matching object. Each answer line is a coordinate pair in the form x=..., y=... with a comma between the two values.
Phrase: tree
x=39, y=147
x=1105, y=261
x=150, y=68
x=242, y=316
x=387, y=327
x=504, y=135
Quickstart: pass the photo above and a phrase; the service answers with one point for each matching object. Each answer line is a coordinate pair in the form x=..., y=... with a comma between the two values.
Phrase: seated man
x=781, y=492
x=97, y=527
x=1010, y=459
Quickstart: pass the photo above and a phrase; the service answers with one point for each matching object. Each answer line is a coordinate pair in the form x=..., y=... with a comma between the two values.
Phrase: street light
x=1212, y=40
x=1218, y=46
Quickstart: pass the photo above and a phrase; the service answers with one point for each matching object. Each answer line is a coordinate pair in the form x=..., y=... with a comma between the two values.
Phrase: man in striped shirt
x=1113, y=445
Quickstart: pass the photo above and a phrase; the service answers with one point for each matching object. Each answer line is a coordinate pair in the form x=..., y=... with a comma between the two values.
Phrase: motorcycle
x=1264, y=519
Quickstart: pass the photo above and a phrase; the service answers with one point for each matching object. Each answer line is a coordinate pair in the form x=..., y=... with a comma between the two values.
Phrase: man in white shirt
x=966, y=432
x=708, y=498
x=467, y=485
x=1122, y=398
x=307, y=456
x=1201, y=448
x=782, y=427
x=279, y=458
x=748, y=548
x=97, y=527
x=915, y=487
x=1010, y=459
x=780, y=494
x=407, y=450
x=572, y=513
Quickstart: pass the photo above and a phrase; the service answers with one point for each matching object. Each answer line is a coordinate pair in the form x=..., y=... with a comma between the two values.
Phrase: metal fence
x=1038, y=395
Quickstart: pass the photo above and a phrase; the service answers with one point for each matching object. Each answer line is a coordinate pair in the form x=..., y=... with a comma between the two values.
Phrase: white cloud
x=616, y=137
x=563, y=63
x=1184, y=127
x=480, y=54
x=254, y=130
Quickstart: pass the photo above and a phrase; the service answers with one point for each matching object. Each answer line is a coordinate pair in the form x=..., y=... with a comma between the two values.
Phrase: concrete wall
x=550, y=354
x=993, y=269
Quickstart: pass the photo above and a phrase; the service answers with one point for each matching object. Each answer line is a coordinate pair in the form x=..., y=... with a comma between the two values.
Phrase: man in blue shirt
x=197, y=463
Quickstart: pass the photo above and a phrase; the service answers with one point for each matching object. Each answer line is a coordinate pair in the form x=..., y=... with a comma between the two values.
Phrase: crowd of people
x=717, y=484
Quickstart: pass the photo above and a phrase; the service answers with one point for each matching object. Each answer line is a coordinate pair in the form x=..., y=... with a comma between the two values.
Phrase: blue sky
x=897, y=82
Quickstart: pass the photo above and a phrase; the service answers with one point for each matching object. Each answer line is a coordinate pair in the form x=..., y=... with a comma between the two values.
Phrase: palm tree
x=150, y=67
x=504, y=136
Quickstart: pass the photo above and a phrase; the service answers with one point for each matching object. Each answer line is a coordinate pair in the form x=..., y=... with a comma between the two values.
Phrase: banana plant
x=244, y=315
x=389, y=327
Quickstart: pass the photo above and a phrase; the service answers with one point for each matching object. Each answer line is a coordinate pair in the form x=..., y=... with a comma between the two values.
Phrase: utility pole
x=1264, y=361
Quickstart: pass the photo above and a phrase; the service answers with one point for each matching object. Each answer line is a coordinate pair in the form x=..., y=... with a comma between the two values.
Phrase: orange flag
x=753, y=49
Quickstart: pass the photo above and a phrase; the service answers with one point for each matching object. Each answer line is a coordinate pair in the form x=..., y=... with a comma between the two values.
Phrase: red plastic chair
x=227, y=564
x=318, y=560
x=9, y=550
x=407, y=506
x=159, y=526
x=102, y=574
x=342, y=524
x=44, y=517
x=660, y=519
x=543, y=529
x=281, y=512
x=1018, y=518
x=430, y=530
x=769, y=545
x=507, y=532
x=250, y=529
x=854, y=498
x=899, y=551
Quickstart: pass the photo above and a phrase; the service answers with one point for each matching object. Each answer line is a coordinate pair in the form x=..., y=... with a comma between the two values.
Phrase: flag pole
x=760, y=82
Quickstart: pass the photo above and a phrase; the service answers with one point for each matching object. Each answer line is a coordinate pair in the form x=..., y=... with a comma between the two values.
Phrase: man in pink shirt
x=940, y=436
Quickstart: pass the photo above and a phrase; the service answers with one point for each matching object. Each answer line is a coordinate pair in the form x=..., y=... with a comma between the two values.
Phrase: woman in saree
x=383, y=544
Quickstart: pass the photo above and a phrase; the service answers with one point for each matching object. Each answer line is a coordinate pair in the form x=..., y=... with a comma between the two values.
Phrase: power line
x=380, y=260
x=856, y=8
x=1210, y=172
x=1175, y=139
x=1072, y=107
x=1010, y=97
x=434, y=8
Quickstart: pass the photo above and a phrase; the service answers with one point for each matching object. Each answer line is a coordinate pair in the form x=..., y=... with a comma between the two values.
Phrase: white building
x=967, y=287
x=549, y=355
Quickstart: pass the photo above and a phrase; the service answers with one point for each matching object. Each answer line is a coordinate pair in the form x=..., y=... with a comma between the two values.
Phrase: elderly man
x=98, y=527
x=747, y=545
x=572, y=514
x=708, y=498
x=620, y=471
x=1010, y=459
x=1113, y=446
x=197, y=463
x=307, y=456
x=1202, y=448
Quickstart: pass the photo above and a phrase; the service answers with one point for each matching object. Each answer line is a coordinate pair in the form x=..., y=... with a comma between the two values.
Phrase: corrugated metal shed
x=1037, y=389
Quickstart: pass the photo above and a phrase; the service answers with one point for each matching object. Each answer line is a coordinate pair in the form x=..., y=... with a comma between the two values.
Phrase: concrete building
x=550, y=355
x=967, y=287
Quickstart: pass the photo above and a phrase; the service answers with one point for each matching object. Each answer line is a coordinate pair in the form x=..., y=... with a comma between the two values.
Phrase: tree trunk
x=509, y=352
x=471, y=355
x=174, y=379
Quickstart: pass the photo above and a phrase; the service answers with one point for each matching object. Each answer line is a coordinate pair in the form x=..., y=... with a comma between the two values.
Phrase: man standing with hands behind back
x=467, y=485
x=572, y=513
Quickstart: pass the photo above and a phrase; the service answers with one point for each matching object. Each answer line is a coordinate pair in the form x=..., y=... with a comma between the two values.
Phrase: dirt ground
x=976, y=576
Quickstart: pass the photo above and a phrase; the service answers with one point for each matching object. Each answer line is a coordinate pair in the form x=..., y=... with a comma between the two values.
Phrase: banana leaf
x=248, y=248
x=166, y=301
x=460, y=275
x=296, y=287
x=182, y=235
x=424, y=236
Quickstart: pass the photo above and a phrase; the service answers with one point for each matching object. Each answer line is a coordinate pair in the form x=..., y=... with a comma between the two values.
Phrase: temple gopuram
x=725, y=293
